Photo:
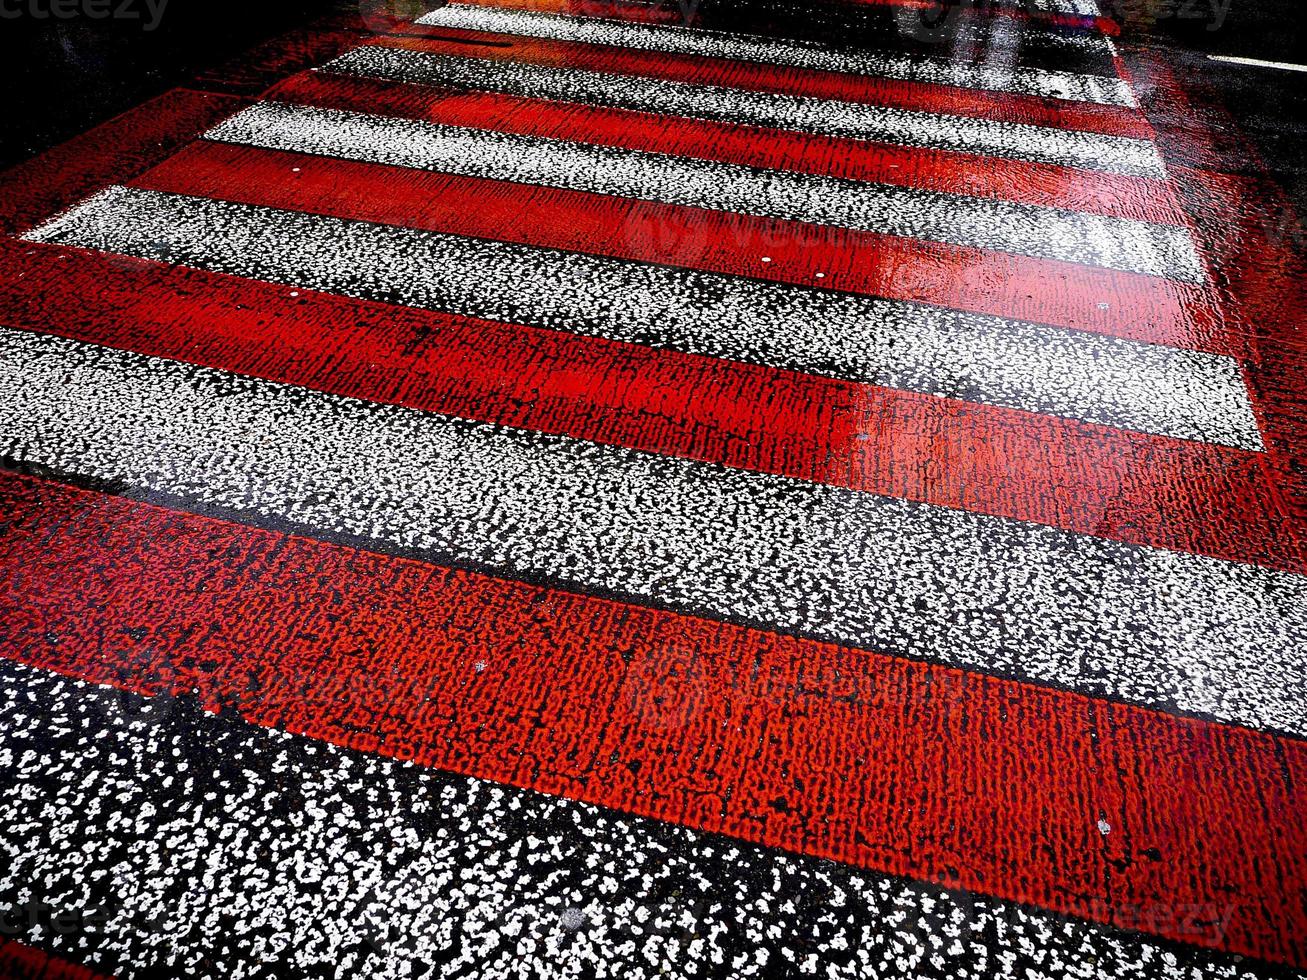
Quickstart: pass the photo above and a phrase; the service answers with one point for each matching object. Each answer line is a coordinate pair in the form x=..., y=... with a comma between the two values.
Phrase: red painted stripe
x=19, y=962
x=1142, y=307
x=1250, y=231
x=1089, y=117
x=854, y=756
x=108, y=154
x=681, y=14
x=940, y=170
x=1266, y=301
x=1145, y=489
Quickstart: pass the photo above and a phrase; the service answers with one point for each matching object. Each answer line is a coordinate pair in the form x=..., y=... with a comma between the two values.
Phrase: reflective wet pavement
x=598, y=490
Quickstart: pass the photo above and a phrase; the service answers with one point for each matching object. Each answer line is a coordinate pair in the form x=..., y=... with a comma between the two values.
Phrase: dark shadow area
x=1272, y=30
x=1270, y=104
x=65, y=75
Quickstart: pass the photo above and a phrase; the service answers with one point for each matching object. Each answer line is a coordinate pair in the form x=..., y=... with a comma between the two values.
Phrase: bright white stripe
x=1147, y=387
x=221, y=843
x=1159, y=628
x=1041, y=232
x=775, y=51
x=1256, y=62
x=1077, y=8
x=1018, y=141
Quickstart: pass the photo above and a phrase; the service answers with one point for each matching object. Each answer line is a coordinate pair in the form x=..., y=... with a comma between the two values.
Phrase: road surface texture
x=585, y=488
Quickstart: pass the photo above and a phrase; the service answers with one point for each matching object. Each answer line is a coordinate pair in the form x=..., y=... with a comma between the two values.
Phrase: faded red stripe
x=19, y=962
x=1147, y=308
x=1146, y=489
x=1254, y=239
x=108, y=154
x=1139, y=198
x=862, y=758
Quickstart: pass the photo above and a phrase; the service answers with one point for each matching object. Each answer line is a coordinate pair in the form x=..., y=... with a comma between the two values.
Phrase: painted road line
x=22, y=960
x=1074, y=8
x=1080, y=8
x=280, y=849
x=1176, y=494
x=1256, y=62
x=1048, y=233
x=108, y=590
x=813, y=83
x=965, y=35
x=799, y=54
x=1125, y=384
x=822, y=116
x=947, y=171
x=1058, y=294
x=115, y=150
x=1165, y=629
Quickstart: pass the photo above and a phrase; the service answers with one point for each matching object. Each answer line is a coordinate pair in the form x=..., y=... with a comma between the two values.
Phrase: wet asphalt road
x=558, y=489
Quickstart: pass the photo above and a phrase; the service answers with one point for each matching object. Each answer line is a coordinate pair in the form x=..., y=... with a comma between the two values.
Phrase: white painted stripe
x=1256, y=62
x=1076, y=8
x=775, y=51
x=215, y=842
x=975, y=357
x=1158, y=628
x=1122, y=244
x=1071, y=8
x=828, y=117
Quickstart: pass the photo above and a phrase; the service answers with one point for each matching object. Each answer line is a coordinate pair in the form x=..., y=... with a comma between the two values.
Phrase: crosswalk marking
x=1156, y=627
x=826, y=116
x=1152, y=388
x=349, y=856
x=763, y=445
x=680, y=40
x=1122, y=244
